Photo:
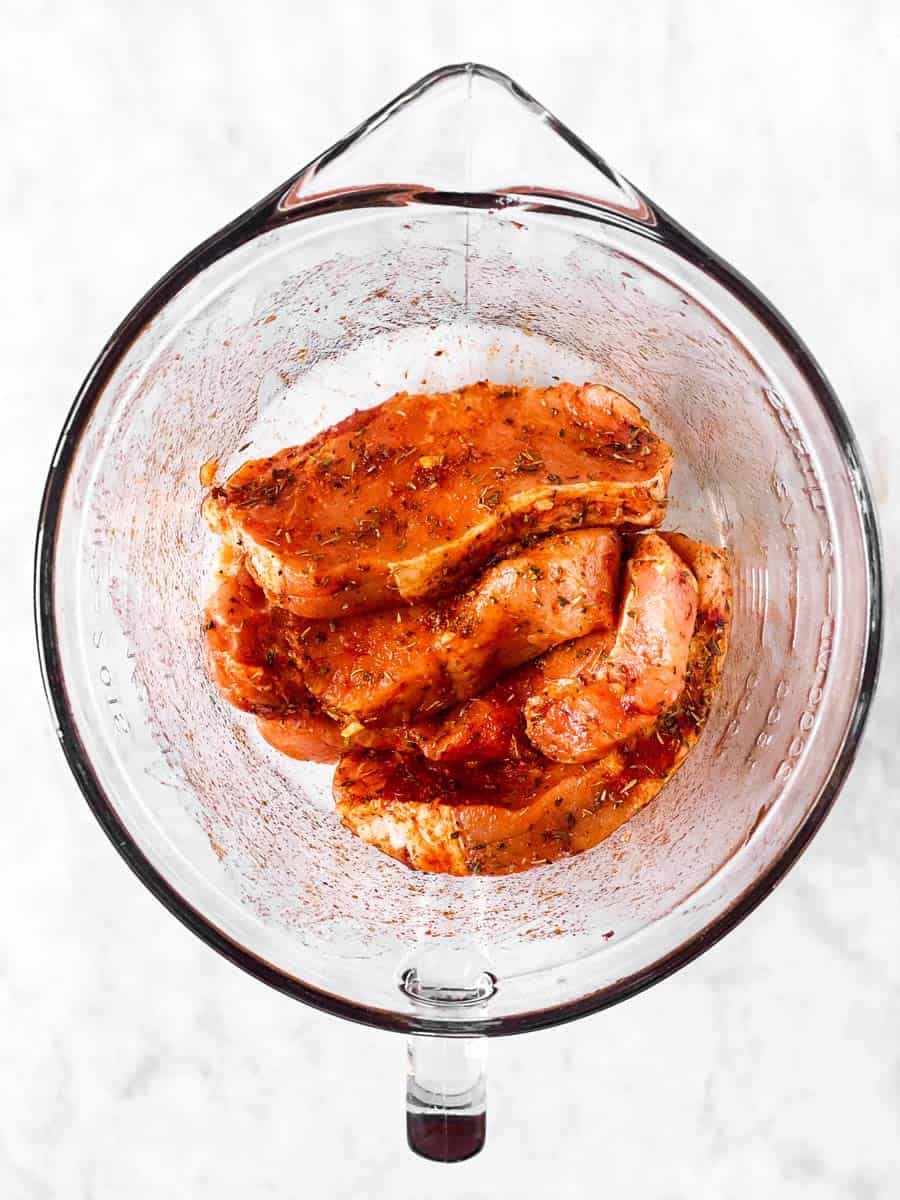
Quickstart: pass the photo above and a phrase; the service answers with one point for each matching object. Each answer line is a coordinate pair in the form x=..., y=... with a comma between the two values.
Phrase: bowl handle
x=446, y=1116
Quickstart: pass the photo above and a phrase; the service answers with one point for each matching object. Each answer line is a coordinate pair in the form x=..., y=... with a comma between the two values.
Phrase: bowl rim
x=267, y=214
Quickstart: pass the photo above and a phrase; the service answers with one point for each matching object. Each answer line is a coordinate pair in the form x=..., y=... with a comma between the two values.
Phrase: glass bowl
x=460, y=233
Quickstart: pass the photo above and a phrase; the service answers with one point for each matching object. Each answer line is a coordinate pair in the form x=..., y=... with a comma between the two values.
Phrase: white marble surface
x=135, y=1062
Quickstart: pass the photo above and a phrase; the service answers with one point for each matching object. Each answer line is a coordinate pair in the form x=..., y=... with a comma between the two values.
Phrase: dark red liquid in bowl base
x=443, y=1138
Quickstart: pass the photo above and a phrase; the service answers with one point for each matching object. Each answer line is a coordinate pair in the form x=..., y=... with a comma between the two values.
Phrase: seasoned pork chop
x=613, y=696
x=491, y=727
x=404, y=501
x=388, y=667
x=241, y=630
x=510, y=816
x=488, y=728
x=244, y=639
x=391, y=666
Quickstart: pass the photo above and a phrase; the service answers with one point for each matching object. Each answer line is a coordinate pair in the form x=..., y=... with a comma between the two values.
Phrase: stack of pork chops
x=450, y=596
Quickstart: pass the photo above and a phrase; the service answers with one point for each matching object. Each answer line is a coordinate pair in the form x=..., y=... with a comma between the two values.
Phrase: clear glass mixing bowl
x=460, y=233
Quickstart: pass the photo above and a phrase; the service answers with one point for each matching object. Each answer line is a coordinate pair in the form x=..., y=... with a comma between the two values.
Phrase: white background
x=136, y=1063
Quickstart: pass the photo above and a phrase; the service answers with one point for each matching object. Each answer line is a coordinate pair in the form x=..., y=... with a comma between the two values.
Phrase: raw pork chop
x=391, y=666
x=510, y=816
x=406, y=500
x=613, y=696
x=388, y=667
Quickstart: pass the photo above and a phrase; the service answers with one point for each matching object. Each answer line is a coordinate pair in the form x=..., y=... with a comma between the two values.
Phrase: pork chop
x=507, y=817
x=392, y=666
x=615, y=695
x=489, y=727
x=245, y=644
x=406, y=500
x=388, y=667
